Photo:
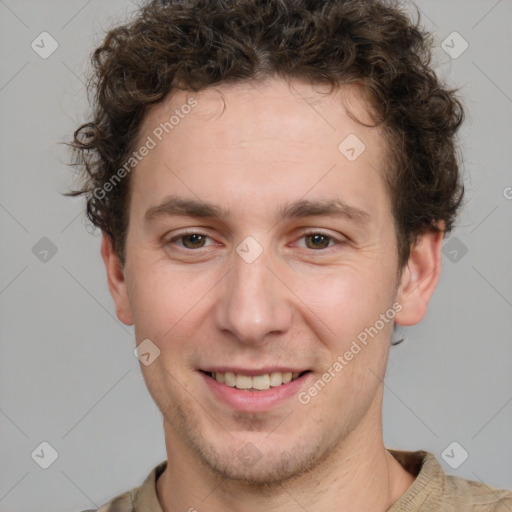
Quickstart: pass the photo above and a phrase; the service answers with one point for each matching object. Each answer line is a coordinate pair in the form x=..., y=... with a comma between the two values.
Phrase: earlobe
x=419, y=278
x=116, y=280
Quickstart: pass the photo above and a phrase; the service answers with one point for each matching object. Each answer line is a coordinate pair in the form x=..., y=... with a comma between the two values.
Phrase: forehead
x=309, y=111
x=272, y=139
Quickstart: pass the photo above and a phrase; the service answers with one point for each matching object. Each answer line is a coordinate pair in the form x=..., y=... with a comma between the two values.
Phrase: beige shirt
x=432, y=491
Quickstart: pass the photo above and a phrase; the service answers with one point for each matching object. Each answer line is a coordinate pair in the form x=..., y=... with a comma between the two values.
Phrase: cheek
x=167, y=303
x=355, y=340
x=346, y=301
x=155, y=304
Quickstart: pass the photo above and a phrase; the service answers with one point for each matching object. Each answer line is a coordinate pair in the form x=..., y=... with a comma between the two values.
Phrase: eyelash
x=305, y=234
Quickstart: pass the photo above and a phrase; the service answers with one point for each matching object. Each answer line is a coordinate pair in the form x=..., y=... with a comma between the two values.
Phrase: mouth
x=260, y=382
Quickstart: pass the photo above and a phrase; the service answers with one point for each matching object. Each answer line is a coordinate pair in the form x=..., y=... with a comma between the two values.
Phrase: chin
x=254, y=452
x=263, y=465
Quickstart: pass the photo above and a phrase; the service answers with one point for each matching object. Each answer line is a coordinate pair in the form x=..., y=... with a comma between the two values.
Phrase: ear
x=116, y=280
x=419, y=278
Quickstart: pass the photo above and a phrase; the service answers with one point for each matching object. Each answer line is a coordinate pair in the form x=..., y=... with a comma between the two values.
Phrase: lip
x=253, y=401
x=251, y=372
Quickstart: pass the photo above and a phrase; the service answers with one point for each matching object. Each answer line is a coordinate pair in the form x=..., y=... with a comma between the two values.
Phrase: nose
x=253, y=301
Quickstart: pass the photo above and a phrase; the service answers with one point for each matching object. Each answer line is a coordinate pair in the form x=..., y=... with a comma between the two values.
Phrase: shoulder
x=475, y=496
x=434, y=490
x=138, y=499
x=121, y=503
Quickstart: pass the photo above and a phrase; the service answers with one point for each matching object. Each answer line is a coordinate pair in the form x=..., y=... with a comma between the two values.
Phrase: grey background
x=68, y=375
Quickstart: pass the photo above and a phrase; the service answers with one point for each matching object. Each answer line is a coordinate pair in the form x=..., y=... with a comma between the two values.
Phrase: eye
x=315, y=240
x=318, y=240
x=192, y=240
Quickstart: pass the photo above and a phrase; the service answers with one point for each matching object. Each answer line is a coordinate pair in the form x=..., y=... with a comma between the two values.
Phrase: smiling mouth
x=261, y=382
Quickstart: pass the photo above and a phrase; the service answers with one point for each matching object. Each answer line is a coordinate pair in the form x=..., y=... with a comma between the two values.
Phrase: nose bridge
x=253, y=303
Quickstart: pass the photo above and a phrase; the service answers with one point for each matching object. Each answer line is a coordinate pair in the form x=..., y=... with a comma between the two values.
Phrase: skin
x=296, y=304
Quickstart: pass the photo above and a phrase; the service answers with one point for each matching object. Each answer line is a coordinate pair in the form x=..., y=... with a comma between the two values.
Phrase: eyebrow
x=179, y=206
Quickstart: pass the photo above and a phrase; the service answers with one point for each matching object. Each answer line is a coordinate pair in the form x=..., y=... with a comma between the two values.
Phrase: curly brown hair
x=193, y=44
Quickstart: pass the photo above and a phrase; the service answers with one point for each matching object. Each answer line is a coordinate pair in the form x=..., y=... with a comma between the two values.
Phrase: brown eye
x=193, y=241
x=317, y=241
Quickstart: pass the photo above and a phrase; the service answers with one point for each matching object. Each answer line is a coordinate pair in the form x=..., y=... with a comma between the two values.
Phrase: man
x=273, y=180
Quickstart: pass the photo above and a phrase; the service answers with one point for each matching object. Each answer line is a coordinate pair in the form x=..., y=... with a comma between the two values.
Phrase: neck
x=359, y=475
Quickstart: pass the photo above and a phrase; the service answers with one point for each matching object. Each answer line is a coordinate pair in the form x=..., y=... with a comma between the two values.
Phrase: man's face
x=256, y=292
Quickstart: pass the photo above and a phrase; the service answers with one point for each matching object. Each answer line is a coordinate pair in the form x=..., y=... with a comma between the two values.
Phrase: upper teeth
x=259, y=382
